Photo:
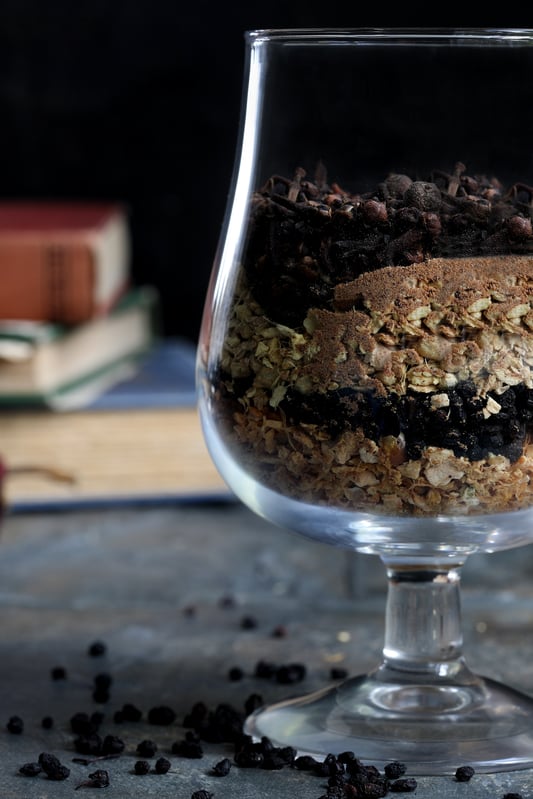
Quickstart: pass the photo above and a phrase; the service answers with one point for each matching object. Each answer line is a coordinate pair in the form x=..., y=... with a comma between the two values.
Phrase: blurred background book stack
x=95, y=406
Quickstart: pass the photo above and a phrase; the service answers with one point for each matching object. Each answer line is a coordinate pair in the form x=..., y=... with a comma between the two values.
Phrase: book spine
x=69, y=277
x=48, y=281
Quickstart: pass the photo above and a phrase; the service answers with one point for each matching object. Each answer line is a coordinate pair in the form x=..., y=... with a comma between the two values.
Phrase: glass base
x=432, y=728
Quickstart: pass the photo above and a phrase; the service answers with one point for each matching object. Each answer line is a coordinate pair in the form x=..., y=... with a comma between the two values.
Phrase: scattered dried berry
x=394, y=770
x=58, y=673
x=112, y=745
x=249, y=623
x=253, y=702
x=141, y=767
x=265, y=670
x=97, y=649
x=305, y=763
x=222, y=768
x=129, y=712
x=196, y=716
x=403, y=785
x=190, y=749
x=249, y=758
x=291, y=673
x=338, y=674
x=83, y=724
x=162, y=765
x=202, y=794
x=279, y=631
x=90, y=744
x=52, y=767
x=30, y=769
x=235, y=674
x=146, y=748
x=223, y=724
x=15, y=725
x=98, y=779
x=103, y=681
x=464, y=773
x=47, y=722
x=512, y=796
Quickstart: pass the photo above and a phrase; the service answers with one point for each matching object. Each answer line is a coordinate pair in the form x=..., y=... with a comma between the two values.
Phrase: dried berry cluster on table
x=380, y=345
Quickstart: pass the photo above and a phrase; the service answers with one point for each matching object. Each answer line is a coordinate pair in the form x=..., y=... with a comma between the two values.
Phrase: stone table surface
x=181, y=594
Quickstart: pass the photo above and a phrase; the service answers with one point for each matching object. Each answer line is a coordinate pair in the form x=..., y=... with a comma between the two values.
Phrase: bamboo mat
x=109, y=455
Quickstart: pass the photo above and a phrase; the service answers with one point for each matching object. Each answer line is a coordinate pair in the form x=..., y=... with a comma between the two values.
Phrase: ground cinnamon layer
x=461, y=285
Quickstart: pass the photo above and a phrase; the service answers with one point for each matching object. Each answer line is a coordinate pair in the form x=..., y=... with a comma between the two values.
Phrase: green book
x=68, y=367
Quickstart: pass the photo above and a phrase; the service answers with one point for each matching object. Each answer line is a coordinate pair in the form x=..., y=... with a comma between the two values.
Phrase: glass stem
x=423, y=631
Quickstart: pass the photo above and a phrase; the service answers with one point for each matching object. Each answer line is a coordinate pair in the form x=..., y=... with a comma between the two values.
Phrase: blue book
x=165, y=379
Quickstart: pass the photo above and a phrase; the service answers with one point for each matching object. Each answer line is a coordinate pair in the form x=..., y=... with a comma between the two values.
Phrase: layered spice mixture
x=380, y=348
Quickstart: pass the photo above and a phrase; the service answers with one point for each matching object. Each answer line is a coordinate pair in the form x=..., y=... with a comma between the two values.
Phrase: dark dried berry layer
x=461, y=426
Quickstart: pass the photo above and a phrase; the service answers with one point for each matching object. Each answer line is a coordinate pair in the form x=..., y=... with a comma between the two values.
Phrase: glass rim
x=429, y=35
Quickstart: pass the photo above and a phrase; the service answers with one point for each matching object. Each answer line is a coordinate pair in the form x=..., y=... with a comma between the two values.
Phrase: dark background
x=139, y=101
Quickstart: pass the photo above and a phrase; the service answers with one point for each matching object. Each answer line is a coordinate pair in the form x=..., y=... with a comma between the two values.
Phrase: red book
x=62, y=262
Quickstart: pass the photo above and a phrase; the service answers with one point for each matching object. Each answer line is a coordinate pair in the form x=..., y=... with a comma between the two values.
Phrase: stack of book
x=94, y=405
x=71, y=324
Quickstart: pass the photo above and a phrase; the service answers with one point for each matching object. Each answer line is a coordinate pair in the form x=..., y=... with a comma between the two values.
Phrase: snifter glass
x=366, y=353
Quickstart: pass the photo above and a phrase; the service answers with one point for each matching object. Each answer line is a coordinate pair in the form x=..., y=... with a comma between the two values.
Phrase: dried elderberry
x=30, y=769
x=202, y=794
x=394, y=770
x=291, y=673
x=97, y=649
x=112, y=745
x=249, y=758
x=141, y=767
x=189, y=749
x=88, y=744
x=101, y=696
x=346, y=757
x=336, y=673
x=305, y=763
x=15, y=725
x=464, y=773
x=103, y=681
x=52, y=767
x=98, y=779
x=47, y=722
x=129, y=712
x=146, y=748
x=253, y=702
x=403, y=785
x=162, y=765
x=83, y=724
x=224, y=724
x=265, y=670
x=196, y=716
x=222, y=768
